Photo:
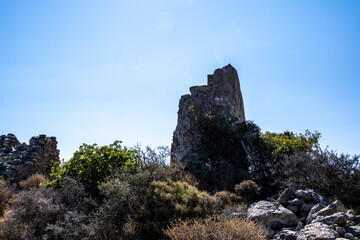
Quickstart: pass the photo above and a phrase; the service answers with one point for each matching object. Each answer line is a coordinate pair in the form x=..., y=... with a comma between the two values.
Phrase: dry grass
x=215, y=228
x=227, y=198
x=177, y=173
x=5, y=196
x=34, y=181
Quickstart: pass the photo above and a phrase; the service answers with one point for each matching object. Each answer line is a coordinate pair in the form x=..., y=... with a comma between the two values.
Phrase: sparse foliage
x=5, y=196
x=214, y=228
x=34, y=181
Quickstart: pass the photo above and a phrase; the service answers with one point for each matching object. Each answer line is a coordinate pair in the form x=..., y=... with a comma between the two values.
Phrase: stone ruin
x=222, y=93
x=20, y=160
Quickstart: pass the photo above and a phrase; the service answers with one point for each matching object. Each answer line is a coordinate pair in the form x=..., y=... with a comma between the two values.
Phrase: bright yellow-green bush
x=248, y=190
x=213, y=228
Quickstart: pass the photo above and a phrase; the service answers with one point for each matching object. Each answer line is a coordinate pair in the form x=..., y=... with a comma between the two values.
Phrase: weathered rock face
x=18, y=161
x=223, y=94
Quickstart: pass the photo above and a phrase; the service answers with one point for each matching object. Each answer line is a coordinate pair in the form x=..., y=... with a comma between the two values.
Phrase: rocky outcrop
x=20, y=160
x=315, y=218
x=221, y=94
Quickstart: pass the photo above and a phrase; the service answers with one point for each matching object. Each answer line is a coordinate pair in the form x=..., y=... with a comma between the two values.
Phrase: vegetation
x=34, y=181
x=112, y=192
x=248, y=190
x=91, y=164
x=5, y=196
x=213, y=228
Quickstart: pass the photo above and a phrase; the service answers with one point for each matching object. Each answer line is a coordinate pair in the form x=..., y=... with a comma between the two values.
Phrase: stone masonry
x=20, y=160
x=221, y=94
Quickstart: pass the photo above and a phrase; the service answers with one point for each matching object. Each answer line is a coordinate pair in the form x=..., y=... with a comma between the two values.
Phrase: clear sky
x=91, y=71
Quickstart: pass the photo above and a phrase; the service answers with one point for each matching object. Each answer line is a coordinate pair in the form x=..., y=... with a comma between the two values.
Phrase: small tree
x=91, y=164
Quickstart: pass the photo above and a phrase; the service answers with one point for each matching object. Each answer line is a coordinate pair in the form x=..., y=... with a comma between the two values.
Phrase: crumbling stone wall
x=223, y=94
x=20, y=160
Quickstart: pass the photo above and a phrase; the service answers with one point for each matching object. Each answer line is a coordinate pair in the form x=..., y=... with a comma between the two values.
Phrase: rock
x=296, y=201
x=293, y=208
x=299, y=226
x=271, y=214
x=305, y=208
x=314, y=209
x=354, y=230
x=317, y=231
x=286, y=234
x=332, y=208
x=341, y=231
x=320, y=199
x=304, y=194
x=285, y=196
x=351, y=214
x=339, y=218
x=222, y=93
x=349, y=236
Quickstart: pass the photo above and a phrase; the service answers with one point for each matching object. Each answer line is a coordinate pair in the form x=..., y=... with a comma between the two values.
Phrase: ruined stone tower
x=222, y=93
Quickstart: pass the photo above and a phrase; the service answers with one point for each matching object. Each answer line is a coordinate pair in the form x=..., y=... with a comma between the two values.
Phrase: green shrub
x=5, y=196
x=168, y=200
x=248, y=190
x=91, y=164
x=215, y=228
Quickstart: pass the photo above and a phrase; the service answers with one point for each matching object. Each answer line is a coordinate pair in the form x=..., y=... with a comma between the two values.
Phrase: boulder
x=349, y=236
x=354, y=230
x=341, y=231
x=285, y=196
x=296, y=201
x=304, y=194
x=271, y=214
x=317, y=231
x=286, y=234
x=320, y=199
x=332, y=208
x=339, y=218
x=314, y=209
x=306, y=208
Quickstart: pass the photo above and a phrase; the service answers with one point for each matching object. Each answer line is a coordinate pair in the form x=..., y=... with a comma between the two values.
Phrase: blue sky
x=91, y=71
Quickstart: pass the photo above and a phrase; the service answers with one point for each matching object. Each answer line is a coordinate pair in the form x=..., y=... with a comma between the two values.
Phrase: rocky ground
x=305, y=215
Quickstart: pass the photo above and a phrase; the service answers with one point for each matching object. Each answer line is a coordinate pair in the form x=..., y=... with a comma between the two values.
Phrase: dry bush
x=248, y=190
x=178, y=173
x=5, y=196
x=33, y=181
x=227, y=198
x=46, y=213
x=215, y=228
x=325, y=171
